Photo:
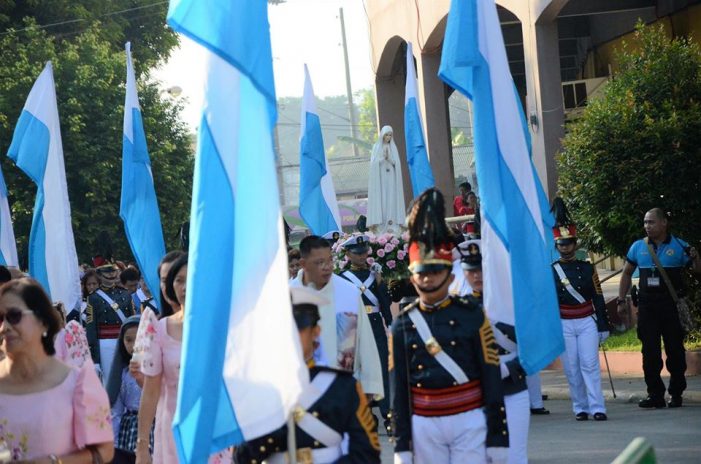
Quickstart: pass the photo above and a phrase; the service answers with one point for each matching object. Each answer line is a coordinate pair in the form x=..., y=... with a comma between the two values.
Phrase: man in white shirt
x=347, y=340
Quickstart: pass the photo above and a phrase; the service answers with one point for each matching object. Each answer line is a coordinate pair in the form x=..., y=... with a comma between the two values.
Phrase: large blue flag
x=516, y=234
x=416, y=154
x=8, y=245
x=139, y=206
x=242, y=369
x=317, y=197
x=37, y=150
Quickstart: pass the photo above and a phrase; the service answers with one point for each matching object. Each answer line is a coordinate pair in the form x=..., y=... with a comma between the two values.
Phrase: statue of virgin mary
x=386, y=210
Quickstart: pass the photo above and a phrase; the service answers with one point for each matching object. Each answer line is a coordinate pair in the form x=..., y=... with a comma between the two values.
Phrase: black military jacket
x=583, y=277
x=379, y=290
x=99, y=312
x=516, y=381
x=464, y=333
x=344, y=408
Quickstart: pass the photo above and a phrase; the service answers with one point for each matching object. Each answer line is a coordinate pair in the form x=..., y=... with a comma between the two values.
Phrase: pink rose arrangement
x=387, y=250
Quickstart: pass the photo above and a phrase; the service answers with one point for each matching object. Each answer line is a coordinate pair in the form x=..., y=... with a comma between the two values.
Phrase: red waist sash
x=576, y=311
x=446, y=401
x=105, y=331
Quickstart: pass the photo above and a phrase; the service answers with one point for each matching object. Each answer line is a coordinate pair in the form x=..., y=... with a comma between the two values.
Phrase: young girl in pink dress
x=158, y=348
x=49, y=412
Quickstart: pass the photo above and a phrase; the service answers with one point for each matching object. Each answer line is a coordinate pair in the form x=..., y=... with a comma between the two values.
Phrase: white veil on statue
x=386, y=209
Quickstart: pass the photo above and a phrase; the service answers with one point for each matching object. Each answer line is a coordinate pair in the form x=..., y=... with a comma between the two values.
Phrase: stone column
x=433, y=96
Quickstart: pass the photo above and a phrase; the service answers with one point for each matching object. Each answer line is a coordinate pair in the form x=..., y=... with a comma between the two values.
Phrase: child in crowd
x=124, y=390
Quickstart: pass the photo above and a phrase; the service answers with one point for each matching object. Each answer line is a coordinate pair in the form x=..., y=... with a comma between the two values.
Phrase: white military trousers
x=580, y=362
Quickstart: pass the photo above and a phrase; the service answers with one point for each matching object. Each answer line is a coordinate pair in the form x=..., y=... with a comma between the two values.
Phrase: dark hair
x=84, y=280
x=166, y=308
x=119, y=361
x=36, y=299
x=312, y=242
x=293, y=254
x=466, y=185
x=129, y=274
x=172, y=272
x=660, y=214
x=5, y=275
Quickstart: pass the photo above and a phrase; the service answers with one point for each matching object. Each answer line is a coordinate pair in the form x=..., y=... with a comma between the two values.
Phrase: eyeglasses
x=14, y=316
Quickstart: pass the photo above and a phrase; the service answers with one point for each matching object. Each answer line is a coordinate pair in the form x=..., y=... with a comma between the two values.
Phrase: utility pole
x=349, y=89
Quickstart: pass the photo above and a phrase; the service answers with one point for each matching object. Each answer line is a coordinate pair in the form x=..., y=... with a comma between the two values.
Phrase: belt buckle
x=433, y=347
x=369, y=309
x=304, y=456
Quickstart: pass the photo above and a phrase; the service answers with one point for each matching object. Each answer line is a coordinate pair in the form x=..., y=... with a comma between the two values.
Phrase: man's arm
x=363, y=442
x=602, y=319
x=624, y=286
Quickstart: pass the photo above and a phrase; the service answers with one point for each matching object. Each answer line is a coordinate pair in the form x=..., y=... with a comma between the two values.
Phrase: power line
x=79, y=20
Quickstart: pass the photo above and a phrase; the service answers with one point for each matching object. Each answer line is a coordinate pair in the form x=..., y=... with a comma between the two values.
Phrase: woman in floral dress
x=158, y=348
x=49, y=412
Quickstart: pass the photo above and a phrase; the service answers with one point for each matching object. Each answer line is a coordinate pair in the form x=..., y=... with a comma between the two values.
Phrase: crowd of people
x=99, y=382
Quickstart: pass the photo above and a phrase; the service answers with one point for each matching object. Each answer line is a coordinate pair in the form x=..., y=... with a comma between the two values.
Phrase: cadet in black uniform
x=377, y=304
x=108, y=307
x=447, y=401
x=584, y=319
x=334, y=405
x=513, y=377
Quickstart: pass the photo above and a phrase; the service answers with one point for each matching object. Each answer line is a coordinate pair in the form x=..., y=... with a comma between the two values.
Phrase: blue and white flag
x=516, y=224
x=139, y=206
x=317, y=197
x=242, y=369
x=8, y=245
x=37, y=150
x=416, y=154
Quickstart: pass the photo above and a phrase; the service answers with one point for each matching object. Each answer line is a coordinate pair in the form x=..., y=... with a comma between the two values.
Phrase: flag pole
x=292, y=438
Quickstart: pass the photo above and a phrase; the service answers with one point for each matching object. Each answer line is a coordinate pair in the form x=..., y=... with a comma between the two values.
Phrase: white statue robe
x=339, y=342
x=386, y=209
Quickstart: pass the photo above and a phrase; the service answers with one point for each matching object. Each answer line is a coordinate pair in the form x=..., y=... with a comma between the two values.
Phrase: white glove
x=497, y=455
x=403, y=457
x=603, y=336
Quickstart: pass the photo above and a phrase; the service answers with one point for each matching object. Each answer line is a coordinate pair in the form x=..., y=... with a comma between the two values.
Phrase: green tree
x=367, y=119
x=90, y=74
x=639, y=146
x=138, y=21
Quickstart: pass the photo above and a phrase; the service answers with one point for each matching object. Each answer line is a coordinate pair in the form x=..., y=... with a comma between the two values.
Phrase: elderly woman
x=49, y=412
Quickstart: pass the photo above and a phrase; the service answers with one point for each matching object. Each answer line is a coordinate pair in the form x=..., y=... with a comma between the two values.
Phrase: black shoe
x=652, y=402
x=675, y=402
x=600, y=416
x=544, y=397
x=539, y=412
x=581, y=416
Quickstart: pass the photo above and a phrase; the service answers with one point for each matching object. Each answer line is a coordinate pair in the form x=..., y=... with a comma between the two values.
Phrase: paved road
x=558, y=438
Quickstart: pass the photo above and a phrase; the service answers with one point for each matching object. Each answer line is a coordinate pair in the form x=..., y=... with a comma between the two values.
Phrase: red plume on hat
x=430, y=239
x=564, y=228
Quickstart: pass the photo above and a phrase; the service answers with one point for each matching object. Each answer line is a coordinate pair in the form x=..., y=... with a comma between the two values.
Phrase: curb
x=623, y=396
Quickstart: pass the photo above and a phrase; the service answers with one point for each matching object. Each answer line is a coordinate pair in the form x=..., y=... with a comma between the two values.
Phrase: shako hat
x=430, y=240
x=305, y=306
x=565, y=230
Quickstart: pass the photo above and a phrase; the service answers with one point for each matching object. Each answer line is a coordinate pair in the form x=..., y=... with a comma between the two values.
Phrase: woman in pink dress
x=49, y=412
x=158, y=347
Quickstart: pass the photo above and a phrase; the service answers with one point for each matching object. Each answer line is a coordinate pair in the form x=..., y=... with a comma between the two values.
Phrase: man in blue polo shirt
x=657, y=311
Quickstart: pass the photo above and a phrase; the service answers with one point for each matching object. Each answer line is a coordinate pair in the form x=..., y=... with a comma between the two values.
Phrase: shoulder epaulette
x=464, y=301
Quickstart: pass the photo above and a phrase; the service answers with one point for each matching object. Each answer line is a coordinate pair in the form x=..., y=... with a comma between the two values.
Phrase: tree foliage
x=639, y=146
x=140, y=21
x=90, y=72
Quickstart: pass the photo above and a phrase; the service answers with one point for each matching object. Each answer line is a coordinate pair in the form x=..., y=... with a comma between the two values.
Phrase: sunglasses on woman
x=14, y=315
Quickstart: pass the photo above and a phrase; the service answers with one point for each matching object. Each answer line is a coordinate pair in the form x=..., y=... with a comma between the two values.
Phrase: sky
x=302, y=31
